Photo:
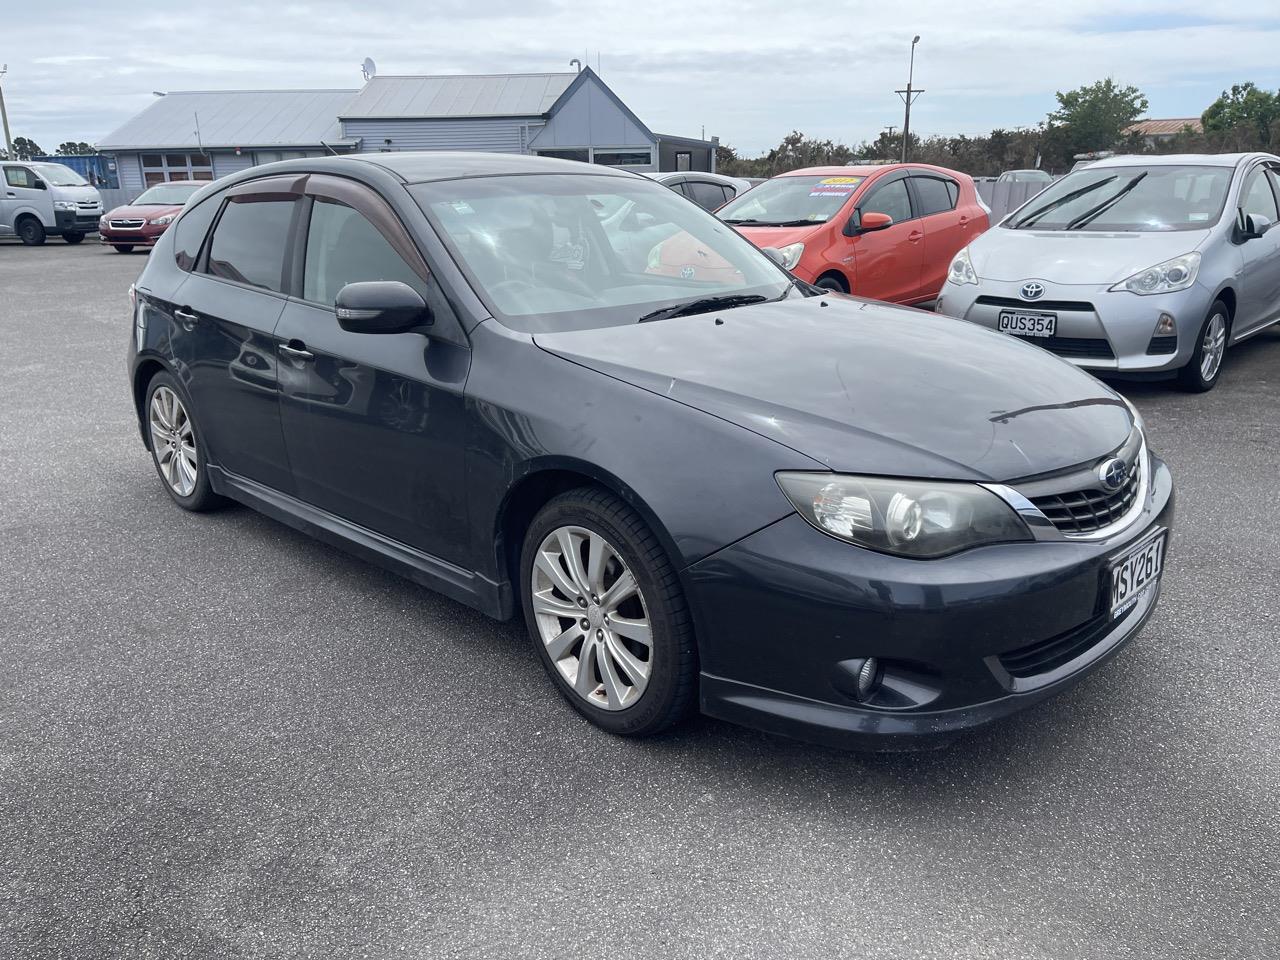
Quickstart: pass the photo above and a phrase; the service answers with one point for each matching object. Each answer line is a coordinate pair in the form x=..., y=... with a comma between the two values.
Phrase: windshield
x=554, y=252
x=1134, y=199
x=168, y=194
x=790, y=201
x=58, y=175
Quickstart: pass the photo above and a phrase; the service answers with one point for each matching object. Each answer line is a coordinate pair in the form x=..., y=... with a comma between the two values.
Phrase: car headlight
x=1168, y=277
x=161, y=221
x=961, y=269
x=908, y=518
x=64, y=205
x=791, y=254
x=102, y=220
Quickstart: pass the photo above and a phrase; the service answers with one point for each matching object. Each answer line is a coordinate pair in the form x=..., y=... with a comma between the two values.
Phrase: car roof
x=866, y=170
x=424, y=166
x=1178, y=159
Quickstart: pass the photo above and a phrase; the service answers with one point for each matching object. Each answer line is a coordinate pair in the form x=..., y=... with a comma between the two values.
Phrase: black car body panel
x=427, y=451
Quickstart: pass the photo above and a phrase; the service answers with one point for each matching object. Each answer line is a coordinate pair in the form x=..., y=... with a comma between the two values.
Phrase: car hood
x=779, y=236
x=146, y=211
x=1077, y=256
x=865, y=387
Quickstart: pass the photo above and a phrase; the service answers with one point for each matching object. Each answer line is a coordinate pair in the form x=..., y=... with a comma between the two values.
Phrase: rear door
x=225, y=328
x=1259, y=301
x=888, y=262
x=374, y=423
x=946, y=228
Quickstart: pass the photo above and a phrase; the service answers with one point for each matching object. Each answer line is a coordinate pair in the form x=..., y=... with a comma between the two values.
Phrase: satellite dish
x=369, y=68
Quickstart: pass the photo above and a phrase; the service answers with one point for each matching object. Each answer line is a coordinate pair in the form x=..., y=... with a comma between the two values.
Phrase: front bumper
x=74, y=221
x=962, y=640
x=144, y=236
x=1098, y=329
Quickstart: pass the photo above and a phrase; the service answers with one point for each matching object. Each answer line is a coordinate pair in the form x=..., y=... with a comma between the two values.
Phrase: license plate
x=1023, y=324
x=1137, y=570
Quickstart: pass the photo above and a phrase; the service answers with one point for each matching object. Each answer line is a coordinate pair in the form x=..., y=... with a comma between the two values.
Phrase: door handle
x=915, y=236
x=10, y=193
x=186, y=319
x=298, y=352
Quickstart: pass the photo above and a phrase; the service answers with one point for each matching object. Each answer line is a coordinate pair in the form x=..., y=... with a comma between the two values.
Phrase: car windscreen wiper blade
x=1096, y=211
x=1035, y=215
x=748, y=222
x=702, y=305
x=774, y=223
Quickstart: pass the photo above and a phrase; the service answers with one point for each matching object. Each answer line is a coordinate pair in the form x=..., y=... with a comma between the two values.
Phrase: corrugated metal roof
x=496, y=95
x=1157, y=128
x=235, y=118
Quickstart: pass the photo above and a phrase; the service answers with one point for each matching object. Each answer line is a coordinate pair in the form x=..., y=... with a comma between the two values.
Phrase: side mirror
x=1253, y=225
x=774, y=254
x=875, y=221
x=380, y=306
x=39, y=184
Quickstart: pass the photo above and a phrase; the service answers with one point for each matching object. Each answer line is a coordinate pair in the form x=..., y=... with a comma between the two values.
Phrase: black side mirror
x=380, y=306
x=39, y=184
x=1253, y=225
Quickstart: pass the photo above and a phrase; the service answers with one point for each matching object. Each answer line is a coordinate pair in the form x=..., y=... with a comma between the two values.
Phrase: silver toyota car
x=1138, y=266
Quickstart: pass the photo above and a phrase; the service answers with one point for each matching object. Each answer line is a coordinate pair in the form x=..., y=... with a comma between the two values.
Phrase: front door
x=225, y=320
x=887, y=263
x=374, y=423
x=1260, y=271
x=22, y=190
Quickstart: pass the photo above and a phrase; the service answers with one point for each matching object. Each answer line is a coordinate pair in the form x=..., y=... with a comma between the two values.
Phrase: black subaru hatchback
x=697, y=481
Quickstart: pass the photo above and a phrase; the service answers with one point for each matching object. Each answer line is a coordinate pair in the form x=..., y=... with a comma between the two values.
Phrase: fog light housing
x=1166, y=326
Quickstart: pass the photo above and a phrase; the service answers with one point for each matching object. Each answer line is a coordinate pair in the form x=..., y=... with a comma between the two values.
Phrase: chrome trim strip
x=1143, y=463
x=1041, y=527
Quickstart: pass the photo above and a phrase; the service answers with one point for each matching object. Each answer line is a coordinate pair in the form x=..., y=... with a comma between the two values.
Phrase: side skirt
x=465, y=586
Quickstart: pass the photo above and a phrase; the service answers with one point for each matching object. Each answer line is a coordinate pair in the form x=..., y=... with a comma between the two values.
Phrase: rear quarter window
x=189, y=233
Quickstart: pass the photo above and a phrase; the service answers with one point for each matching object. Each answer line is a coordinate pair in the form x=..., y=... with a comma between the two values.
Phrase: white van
x=42, y=199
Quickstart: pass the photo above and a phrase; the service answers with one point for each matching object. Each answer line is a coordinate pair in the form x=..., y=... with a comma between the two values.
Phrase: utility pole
x=908, y=96
x=4, y=116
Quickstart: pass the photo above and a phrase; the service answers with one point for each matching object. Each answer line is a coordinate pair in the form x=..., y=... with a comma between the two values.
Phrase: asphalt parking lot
x=219, y=738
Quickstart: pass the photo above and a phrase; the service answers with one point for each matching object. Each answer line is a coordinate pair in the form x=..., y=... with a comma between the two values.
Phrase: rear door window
x=249, y=242
x=933, y=195
x=706, y=195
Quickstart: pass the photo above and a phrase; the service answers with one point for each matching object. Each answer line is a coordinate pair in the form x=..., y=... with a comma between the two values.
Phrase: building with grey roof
x=203, y=135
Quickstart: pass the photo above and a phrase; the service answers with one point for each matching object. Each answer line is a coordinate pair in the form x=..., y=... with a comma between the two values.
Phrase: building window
x=582, y=156
x=166, y=167
x=684, y=160
x=623, y=158
x=271, y=156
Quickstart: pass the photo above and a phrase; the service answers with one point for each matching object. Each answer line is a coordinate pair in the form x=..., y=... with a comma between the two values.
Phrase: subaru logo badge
x=1032, y=290
x=1113, y=473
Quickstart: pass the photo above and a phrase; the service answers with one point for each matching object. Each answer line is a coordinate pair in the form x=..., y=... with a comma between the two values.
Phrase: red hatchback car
x=882, y=232
x=139, y=224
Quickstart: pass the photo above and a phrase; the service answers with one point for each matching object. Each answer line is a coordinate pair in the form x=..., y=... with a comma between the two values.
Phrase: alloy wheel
x=173, y=441
x=592, y=618
x=1213, y=346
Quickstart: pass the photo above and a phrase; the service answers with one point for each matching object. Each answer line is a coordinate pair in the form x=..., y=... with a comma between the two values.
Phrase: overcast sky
x=749, y=71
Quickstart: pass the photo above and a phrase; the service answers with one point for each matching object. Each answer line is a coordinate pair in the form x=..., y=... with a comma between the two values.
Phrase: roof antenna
x=575, y=62
x=198, y=143
x=369, y=69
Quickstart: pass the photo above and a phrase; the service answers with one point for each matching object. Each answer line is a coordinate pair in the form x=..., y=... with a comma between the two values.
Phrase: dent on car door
x=374, y=423
x=888, y=262
x=1259, y=301
x=225, y=318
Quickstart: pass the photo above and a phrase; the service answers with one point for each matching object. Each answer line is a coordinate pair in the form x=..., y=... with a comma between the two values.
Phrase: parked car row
x=720, y=488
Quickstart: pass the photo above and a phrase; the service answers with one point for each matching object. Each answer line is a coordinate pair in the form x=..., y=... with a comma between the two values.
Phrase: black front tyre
x=832, y=284
x=607, y=615
x=31, y=232
x=177, y=449
x=73, y=238
x=1204, y=369
x=123, y=247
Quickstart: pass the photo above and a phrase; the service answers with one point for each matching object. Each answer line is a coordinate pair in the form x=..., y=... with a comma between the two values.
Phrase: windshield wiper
x=1035, y=215
x=703, y=304
x=1094, y=212
x=774, y=223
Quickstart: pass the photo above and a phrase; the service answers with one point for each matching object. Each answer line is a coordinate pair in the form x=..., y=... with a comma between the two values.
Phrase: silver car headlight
x=921, y=519
x=791, y=254
x=961, y=269
x=161, y=221
x=1168, y=277
x=64, y=205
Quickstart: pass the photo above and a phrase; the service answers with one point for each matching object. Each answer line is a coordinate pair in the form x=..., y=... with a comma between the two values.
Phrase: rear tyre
x=73, y=238
x=31, y=231
x=123, y=247
x=607, y=615
x=177, y=450
x=1205, y=366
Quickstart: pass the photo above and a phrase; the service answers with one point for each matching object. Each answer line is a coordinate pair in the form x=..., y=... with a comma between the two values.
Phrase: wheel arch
x=834, y=273
x=143, y=374
x=535, y=487
x=1228, y=297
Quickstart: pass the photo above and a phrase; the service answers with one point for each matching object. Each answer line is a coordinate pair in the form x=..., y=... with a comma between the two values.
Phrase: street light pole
x=908, y=95
x=4, y=117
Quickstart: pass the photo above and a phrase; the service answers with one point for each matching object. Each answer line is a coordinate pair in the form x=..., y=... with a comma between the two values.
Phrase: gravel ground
x=221, y=739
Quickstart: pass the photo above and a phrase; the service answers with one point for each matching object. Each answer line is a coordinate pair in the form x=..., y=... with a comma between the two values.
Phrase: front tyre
x=123, y=247
x=176, y=448
x=31, y=232
x=1205, y=366
x=73, y=238
x=607, y=615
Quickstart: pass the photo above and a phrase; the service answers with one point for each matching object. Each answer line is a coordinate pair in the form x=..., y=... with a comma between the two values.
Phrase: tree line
x=1091, y=118
x=26, y=149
